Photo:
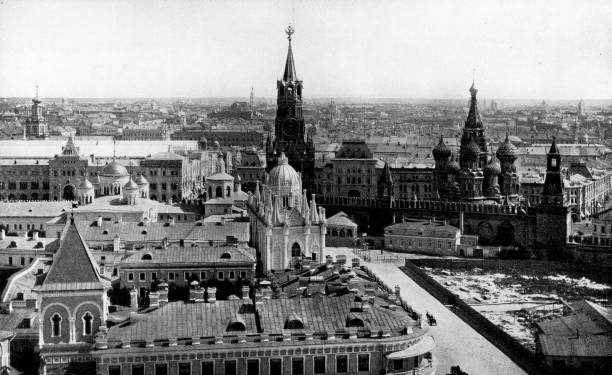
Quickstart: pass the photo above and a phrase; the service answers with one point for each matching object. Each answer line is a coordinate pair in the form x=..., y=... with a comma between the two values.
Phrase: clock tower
x=290, y=129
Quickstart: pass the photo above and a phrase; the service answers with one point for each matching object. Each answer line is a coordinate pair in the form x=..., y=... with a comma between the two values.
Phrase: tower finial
x=36, y=91
x=114, y=147
x=290, y=31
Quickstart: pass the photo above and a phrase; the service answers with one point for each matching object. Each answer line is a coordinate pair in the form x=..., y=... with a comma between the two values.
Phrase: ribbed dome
x=131, y=185
x=507, y=150
x=453, y=166
x=492, y=168
x=471, y=149
x=284, y=175
x=441, y=150
x=85, y=184
x=140, y=180
x=114, y=169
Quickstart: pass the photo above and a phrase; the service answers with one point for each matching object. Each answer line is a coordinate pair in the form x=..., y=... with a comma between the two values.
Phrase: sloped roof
x=341, y=220
x=193, y=255
x=73, y=265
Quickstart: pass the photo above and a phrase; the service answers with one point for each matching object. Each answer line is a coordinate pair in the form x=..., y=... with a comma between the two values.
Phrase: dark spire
x=553, y=147
x=385, y=177
x=473, y=120
x=289, y=75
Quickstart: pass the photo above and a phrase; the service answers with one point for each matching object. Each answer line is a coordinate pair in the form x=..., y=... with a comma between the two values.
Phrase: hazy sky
x=387, y=49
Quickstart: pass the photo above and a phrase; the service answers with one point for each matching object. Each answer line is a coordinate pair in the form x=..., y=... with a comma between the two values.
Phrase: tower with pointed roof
x=507, y=154
x=73, y=302
x=290, y=128
x=441, y=154
x=36, y=125
x=553, y=216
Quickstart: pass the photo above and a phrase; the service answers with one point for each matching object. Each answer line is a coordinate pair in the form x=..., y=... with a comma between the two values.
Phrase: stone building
x=36, y=124
x=290, y=128
x=285, y=227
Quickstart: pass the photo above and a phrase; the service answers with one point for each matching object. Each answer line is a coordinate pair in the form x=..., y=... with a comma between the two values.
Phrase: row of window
x=56, y=324
x=164, y=186
x=34, y=185
x=23, y=261
x=253, y=366
x=163, y=173
x=174, y=276
x=18, y=226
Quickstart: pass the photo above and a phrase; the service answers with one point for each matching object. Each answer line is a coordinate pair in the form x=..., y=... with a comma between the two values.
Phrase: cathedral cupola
x=285, y=182
x=441, y=151
x=85, y=192
x=507, y=151
x=130, y=192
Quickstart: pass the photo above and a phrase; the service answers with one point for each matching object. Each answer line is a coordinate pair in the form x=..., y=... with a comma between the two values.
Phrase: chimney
x=172, y=222
x=116, y=243
x=2, y=234
x=258, y=298
x=461, y=222
x=35, y=235
x=355, y=262
x=154, y=299
x=245, y=292
x=212, y=294
x=329, y=260
x=196, y=292
x=134, y=299
x=99, y=221
x=163, y=294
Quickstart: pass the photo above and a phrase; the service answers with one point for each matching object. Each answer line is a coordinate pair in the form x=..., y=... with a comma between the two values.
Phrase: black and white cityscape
x=305, y=187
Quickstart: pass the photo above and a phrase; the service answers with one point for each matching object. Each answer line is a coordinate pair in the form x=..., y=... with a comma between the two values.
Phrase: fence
x=527, y=360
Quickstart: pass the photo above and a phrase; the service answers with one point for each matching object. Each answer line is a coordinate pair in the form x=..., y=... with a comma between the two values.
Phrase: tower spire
x=289, y=74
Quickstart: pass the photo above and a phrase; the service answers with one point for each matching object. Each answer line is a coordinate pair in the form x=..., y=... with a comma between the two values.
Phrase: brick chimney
x=163, y=294
x=134, y=299
x=212, y=294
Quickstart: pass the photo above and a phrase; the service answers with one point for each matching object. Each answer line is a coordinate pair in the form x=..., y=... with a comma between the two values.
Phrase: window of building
x=243, y=275
x=184, y=368
x=276, y=366
x=203, y=275
x=154, y=275
x=56, y=325
x=208, y=367
x=22, y=261
x=10, y=261
x=398, y=364
x=114, y=370
x=297, y=366
x=130, y=276
x=341, y=364
x=253, y=367
x=137, y=369
x=319, y=364
x=220, y=275
x=230, y=367
x=142, y=276
x=171, y=276
x=164, y=186
x=232, y=275
x=363, y=362
x=87, y=323
x=161, y=369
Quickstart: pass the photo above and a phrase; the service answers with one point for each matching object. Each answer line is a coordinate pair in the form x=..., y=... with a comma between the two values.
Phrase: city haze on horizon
x=352, y=50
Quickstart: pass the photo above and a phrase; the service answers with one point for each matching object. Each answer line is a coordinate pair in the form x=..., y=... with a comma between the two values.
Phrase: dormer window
x=226, y=255
x=294, y=322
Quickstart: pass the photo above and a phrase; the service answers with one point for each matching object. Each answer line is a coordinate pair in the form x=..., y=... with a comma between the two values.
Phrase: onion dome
x=284, y=175
x=114, y=169
x=85, y=184
x=471, y=150
x=131, y=185
x=507, y=151
x=453, y=165
x=492, y=168
x=140, y=180
x=441, y=151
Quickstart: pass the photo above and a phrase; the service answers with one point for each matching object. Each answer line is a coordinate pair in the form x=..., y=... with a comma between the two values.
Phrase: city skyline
x=342, y=49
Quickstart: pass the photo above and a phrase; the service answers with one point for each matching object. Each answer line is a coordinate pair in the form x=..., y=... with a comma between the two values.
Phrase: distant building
x=241, y=110
x=36, y=125
x=341, y=231
x=429, y=237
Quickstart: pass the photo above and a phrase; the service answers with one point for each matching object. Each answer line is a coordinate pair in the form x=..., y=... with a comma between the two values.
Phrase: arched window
x=146, y=257
x=56, y=325
x=296, y=251
x=237, y=324
x=209, y=192
x=87, y=323
x=219, y=192
x=228, y=192
x=293, y=322
x=226, y=255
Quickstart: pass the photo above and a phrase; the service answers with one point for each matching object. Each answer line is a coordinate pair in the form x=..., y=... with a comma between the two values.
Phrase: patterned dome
x=441, y=151
x=453, y=166
x=284, y=175
x=492, y=168
x=131, y=185
x=507, y=150
x=85, y=184
x=140, y=180
x=471, y=149
x=114, y=169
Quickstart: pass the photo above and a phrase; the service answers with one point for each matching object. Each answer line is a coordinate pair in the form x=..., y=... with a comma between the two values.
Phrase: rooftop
x=192, y=256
